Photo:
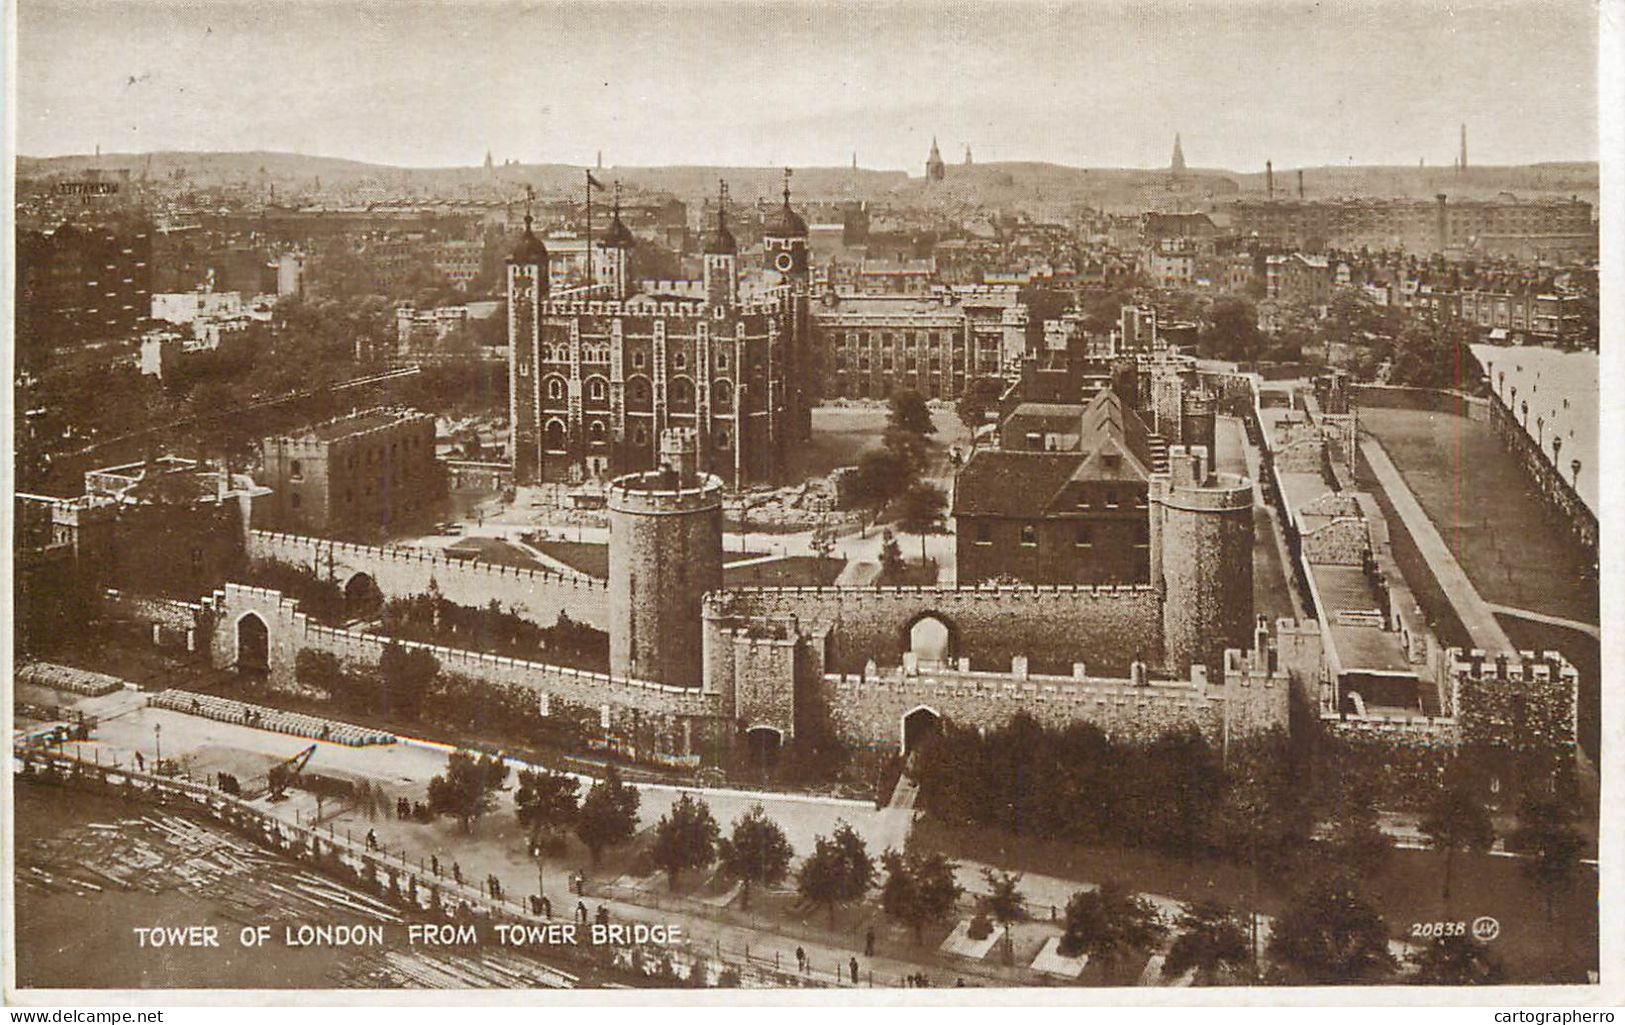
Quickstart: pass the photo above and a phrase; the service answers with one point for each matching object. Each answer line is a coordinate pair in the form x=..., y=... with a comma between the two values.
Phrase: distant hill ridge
x=994, y=182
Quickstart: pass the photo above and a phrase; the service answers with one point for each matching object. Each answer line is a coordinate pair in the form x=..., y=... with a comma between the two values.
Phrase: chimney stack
x=1300, y=184
x=1463, y=164
x=1269, y=178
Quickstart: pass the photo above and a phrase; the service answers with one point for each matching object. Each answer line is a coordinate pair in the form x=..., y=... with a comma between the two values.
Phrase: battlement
x=1191, y=484
x=1510, y=667
x=692, y=309
x=1019, y=681
x=664, y=491
x=721, y=602
x=350, y=427
x=278, y=546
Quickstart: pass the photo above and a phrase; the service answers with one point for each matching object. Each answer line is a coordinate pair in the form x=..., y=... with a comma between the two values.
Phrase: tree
x=608, y=815
x=981, y=397
x=919, y=889
x=839, y=871
x=1231, y=331
x=545, y=801
x=685, y=838
x=879, y=477
x=1003, y=903
x=1458, y=960
x=907, y=411
x=1329, y=934
x=912, y=451
x=1554, y=847
x=757, y=852
x=891, y=556
x=920, y=510
x=1456, y=821
x=408, y=673
x=1356, y=840
x=1108, y=922
x=466, y=789
x=1212, y=941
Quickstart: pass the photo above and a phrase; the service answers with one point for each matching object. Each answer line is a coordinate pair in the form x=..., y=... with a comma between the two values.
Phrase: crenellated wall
x=538, y=595
x=868, y=709
x=1106, y=627
x=625, y=705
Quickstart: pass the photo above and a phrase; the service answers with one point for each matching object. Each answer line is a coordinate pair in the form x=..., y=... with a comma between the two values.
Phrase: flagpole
x=592, y=275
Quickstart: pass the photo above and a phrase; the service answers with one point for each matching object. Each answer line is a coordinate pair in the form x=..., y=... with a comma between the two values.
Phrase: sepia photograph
x=761, y=495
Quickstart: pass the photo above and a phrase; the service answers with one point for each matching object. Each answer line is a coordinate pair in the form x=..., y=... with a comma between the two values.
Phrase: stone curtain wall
x=867, y=709
x=632, y=707
x=1548, y=481
x=1104, y=628
x=536, y=595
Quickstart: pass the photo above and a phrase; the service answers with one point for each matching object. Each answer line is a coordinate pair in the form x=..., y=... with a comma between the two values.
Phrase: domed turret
x=530, y=248
x=785, y=222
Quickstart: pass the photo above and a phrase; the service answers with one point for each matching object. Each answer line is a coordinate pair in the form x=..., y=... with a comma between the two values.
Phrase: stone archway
x=918, y=726
x=362, y=597
x=253, y=644
x=762, y=746
x=930, y=637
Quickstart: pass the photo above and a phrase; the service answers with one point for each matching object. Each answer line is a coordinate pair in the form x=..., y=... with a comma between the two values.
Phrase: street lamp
x=1557, y=447
x=1575, y=466
x=1540, y=431
x=1525, y=413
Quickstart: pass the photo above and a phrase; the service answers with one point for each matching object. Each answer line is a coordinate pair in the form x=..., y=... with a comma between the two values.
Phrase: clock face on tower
x=784, y=262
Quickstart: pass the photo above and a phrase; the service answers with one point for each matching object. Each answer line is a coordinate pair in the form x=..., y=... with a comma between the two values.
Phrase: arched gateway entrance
x=918, y=727
x=253, y=644
x=763, y=744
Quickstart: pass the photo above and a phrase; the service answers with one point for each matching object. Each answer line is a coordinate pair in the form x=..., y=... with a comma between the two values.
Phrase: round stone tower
x=1202, y=560
x=665, y=552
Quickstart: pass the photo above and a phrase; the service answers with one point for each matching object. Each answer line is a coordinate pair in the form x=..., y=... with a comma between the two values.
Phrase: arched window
x=679, y=360
x=595, y=432
x=640, y=435
x=597, y=390
x=723, y=438
x=554, y=436
x=555, y=387
x=722, y=397
x=682, y=395
x=637, y=394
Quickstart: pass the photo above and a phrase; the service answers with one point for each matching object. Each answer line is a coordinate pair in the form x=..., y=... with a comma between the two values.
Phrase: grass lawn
x=913, y=574
x=494, y=550
x=793, y=571
x=590, y=558
x=1477, y=496
x=841, y=434
x=1409, y=890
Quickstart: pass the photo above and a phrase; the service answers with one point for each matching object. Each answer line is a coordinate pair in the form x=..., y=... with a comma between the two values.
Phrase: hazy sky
x=1091, y=84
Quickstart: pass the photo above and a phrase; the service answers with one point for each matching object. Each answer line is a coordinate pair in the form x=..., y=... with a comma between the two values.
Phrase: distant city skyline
x=1098, y=85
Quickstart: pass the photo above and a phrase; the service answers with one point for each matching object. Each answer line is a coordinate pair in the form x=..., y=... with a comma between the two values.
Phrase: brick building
x=1062, y=501
x=366, y=474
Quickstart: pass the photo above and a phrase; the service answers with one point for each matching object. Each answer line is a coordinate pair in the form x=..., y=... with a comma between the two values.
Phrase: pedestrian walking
x=457, y=873
x=869, y=944
x=801, y=960
x=581, y=911
x=434, y=863
x=853, y=964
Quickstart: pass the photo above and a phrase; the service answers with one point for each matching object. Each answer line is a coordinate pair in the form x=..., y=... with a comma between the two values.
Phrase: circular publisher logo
x=1486, y=928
